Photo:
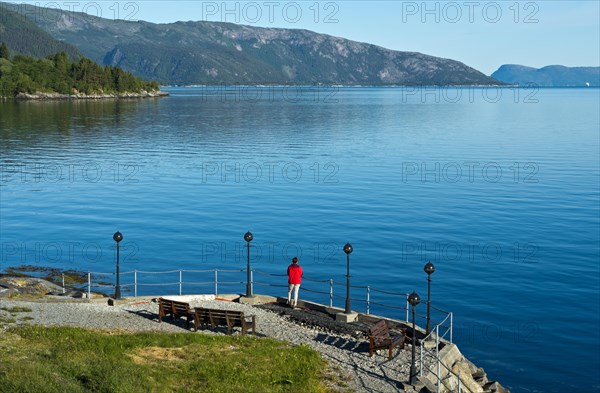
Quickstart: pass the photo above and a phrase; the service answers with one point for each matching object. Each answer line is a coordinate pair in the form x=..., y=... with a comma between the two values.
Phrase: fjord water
x=498, y=188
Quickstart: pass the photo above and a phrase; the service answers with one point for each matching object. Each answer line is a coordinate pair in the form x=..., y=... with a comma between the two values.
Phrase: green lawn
x=61, y=359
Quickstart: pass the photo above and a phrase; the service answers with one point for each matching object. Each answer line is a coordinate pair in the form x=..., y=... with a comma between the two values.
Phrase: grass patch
x=61, y=359
x=7, y=320
x=16, y=309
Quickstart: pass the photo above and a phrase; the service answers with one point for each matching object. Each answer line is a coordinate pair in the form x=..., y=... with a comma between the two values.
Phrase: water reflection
x=25, y=123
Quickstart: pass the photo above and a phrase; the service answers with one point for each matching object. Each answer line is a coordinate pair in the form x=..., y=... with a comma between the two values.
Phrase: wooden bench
x=174, y=309
x=379, y=338
x=214, y=318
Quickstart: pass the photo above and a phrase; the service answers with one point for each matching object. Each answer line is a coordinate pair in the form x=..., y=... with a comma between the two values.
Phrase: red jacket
x=294, y=272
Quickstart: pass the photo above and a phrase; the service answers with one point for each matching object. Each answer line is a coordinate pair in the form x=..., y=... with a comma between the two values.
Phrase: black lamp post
x=429, y=269
x=117, y=237
x=248, y=238
x=413, y=299
x=348, y=250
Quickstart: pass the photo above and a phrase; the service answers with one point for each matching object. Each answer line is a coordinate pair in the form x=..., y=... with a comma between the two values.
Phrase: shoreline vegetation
x=56, y=77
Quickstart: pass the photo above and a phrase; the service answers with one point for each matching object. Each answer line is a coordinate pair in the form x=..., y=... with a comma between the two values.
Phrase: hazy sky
x=482, y=34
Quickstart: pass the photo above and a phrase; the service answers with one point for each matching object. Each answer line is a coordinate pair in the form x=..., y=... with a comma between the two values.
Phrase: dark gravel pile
x=319, y=321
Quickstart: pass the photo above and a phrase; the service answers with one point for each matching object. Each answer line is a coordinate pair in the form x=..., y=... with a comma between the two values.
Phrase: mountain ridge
x=548, y=76
x=25, y=38
x=198, y=52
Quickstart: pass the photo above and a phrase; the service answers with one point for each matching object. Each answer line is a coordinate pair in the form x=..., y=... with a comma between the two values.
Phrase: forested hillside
x=26, y=38
x=57, y=74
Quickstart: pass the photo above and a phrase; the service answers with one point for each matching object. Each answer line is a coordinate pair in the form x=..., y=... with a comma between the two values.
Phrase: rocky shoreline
x=81, y=96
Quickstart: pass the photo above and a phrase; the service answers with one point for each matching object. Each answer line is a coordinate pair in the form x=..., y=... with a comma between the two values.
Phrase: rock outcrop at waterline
x=27, y=286
x=81, y=96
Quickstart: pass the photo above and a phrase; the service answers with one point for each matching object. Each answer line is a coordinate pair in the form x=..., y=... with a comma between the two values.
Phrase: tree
x=4, y=52
x=61, y=62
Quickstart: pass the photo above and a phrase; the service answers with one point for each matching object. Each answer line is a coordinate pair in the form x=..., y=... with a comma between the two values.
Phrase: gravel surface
x=346, y=349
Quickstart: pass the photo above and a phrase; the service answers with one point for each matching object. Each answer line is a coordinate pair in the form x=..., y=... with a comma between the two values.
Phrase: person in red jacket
x=294, y=273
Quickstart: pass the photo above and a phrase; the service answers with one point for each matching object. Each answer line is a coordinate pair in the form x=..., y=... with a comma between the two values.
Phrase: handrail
x=385, y=305
x=439, y=309
x=210, y=282
x=334, y=282
x=370, y=300
x=270, y=285
x=313, y=291
x=171, y=271
x=313, y=280
x=145, y=272
x=268, y=274
x=389, y=293
x=439, y=363
x=212, y=270
x=353, y=286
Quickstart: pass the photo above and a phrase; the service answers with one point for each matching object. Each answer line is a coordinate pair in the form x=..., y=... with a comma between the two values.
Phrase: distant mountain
x=24, y=37
x=215, y=53
x=550, y=76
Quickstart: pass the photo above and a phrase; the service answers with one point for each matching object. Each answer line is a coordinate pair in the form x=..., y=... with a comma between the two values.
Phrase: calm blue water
x=498, y=188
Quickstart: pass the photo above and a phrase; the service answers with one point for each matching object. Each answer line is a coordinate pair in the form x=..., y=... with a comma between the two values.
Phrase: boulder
x=494, y=387
x=462, y=369
x=26, y=286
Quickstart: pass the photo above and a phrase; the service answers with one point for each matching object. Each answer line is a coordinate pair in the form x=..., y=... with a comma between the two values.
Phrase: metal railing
x=329, y=292
x=178, y=283
x=320, y=288
x=438, y=363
